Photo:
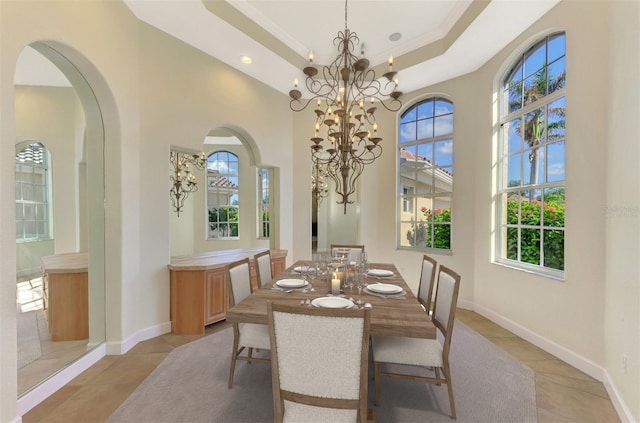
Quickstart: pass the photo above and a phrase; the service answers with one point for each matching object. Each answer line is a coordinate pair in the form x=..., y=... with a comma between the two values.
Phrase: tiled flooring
x=564, y=394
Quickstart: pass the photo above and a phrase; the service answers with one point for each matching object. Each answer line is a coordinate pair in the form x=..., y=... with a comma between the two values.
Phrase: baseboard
x=621, y=408
x=119, y=348
x=576, y=360
x=45, y=389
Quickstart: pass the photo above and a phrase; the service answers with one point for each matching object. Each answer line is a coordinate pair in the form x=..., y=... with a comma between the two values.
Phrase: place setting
x=385, y=290
x=289, y=285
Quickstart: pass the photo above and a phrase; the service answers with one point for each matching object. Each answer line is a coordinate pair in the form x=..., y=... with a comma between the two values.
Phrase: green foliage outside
x=532, y=215
x=224, y=220
x=434, y=233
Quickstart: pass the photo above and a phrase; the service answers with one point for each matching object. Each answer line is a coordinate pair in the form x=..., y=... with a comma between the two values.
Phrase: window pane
x=514, y=96
x=555, y=162
x=513, y=139
x=425, y=110
x=534, y=127
x=19, y=230
x=556, y=46
x=408, y=132
x=443, y=153
x=534, y=165
x=30, y=229
x=513, y=164
x=535, y=60
x=554, y=249
x=409, y=116
x=513, y=244
x=557, y=75
x=443, y=125
x=425, y=129
x=556, y=120
x=443, y=108
x=535, y=87
x=530, y=246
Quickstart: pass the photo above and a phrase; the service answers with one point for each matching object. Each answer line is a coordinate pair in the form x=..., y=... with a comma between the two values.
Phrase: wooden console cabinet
x=66, y=295
x=199, y=287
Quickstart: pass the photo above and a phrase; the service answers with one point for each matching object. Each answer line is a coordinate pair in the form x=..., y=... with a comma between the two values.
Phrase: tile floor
x=564, y=394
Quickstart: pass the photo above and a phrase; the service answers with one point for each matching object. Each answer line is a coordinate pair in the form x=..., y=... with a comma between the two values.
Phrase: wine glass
x=350, y=277
x=312, y=272
x=361, y=283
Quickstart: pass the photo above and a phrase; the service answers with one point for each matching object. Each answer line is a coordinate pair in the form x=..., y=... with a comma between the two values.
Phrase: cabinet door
x=216, y=296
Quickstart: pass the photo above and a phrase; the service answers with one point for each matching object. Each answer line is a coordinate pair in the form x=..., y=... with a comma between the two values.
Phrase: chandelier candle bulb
x=390, y=63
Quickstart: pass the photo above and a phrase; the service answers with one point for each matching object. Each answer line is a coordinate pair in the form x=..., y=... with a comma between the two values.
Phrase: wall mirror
x=59, y=215
x=329, y=223
x=234, y=205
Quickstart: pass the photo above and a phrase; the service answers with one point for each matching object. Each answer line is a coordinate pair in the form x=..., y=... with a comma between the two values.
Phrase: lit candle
x=390, y=63
x=335, y=284
x=295, y=82
x=375, y=126
x=311, y=56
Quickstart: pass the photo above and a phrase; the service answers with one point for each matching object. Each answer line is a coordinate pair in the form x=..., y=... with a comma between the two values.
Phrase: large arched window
x=425, y=175
x=223, y=195
x=531, y=180
x=32, y=193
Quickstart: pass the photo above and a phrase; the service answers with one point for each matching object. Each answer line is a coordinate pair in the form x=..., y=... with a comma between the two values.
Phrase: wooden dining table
x=395, y=315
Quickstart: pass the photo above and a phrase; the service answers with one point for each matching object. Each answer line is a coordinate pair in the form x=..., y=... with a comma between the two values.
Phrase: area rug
x=28, y=338
x=190, y=385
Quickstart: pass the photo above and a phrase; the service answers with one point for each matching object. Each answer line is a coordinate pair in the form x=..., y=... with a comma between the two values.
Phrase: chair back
x=319, y=363
x=263, y=267
x=239, y=280
x=427, y=279
x=354, y=253
x=444, y=309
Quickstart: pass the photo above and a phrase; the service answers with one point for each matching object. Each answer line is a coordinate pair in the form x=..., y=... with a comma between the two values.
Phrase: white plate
x=300, y=269
x=384, y=288
x=291, y=283
x=332, y=302
x=380, y=272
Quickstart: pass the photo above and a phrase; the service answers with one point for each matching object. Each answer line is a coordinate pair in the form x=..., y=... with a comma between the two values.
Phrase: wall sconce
x=183, y=182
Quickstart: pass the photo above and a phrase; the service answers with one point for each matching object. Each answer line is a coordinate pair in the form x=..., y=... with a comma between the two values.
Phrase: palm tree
x=535, y=123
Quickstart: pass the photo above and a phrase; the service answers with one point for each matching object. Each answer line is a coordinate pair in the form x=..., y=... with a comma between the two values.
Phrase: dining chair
x=419, y=351
x=245, y=335
x=427, y=283
x=319, y=363
x=354, y=253
x=264, y=270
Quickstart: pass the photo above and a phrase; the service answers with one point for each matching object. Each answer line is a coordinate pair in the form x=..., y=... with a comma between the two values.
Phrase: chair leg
x=249, y=354
x=376, y=380
x=234, y=355
x=447, y=375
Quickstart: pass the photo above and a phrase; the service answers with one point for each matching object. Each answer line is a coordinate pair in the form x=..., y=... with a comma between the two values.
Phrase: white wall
x=622, y=207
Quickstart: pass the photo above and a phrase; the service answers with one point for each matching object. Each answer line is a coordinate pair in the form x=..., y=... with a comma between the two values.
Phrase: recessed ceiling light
x=246, y=60
x=395, y=36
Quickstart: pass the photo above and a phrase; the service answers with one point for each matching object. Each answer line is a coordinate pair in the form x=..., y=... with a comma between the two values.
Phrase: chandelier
x=183, y=182
x=346, y=94
x=319, y=186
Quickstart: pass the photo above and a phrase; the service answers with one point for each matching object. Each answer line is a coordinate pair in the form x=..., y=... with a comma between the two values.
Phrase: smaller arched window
x=32, y=193
x=425, y=175
x=223, y=197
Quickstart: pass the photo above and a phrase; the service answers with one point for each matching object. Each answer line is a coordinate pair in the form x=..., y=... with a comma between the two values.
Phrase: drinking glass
x=361, y=283
x=350, y=277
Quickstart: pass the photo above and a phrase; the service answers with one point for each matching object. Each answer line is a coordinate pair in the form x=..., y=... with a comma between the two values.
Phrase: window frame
x=229, y=193
x=44, y=203
x=428, y=227
x=505, y=151
x=260, y=203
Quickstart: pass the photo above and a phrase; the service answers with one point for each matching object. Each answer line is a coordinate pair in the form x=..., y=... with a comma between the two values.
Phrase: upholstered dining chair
x=319, y=363
x=354, y=253
x=427, y=282
x=423, y=352
x=245, y=335
x=264, y=271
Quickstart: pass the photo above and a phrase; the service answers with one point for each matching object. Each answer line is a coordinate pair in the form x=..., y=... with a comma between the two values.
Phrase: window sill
x=554, y=275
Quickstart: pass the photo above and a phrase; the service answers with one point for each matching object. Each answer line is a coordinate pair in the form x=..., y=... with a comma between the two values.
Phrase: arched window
x=425, y=175
x=32, y=193
x=223, y=195
x=531, y=180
